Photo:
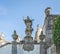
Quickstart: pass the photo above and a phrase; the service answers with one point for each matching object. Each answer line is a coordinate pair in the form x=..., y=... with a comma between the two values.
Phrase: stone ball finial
x=14, y=31
x=47, y=11
x=42, y=36
x=15, y=36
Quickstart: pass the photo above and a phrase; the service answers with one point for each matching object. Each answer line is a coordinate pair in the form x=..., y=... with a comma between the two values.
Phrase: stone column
x=14, y=43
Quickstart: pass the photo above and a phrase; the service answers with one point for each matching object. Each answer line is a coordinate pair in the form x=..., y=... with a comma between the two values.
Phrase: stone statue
x=29, y=28
x=28, y=21
x=28, y=40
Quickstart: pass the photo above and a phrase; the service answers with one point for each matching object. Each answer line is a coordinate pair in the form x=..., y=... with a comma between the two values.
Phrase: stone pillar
x=42, y=44
x=42, y=48
x=14, y=47
x=14, y=43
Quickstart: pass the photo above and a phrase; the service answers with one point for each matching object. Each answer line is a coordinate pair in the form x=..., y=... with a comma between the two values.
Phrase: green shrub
x=56, y=32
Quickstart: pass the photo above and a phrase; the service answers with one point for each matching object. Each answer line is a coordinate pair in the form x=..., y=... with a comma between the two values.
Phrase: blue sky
x=12, y=12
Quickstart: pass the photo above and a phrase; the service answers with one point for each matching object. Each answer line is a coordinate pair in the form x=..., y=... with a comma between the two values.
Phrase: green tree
x=56, y=32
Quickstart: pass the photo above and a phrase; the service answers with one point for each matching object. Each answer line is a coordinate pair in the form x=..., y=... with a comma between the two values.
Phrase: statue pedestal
x=28, y=43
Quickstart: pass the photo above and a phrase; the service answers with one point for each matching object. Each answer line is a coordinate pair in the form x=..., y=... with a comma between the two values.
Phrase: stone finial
x=42, y=36
x=15, y=36
x=47, y=11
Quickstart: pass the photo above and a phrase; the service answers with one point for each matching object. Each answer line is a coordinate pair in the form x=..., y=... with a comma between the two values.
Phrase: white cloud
x=3, y=10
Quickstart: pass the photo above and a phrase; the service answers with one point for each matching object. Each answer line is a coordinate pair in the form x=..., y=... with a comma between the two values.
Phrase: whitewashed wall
x=51, y=50
x=35, y=51
x=7, y=49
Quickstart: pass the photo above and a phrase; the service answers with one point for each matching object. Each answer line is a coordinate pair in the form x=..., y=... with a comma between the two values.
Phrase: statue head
x=47, y=11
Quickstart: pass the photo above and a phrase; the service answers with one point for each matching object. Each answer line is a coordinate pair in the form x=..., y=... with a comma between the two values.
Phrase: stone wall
x=7, y=49
x=57, y=49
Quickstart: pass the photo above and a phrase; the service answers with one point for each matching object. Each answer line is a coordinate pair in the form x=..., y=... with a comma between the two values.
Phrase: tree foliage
x=56, y=32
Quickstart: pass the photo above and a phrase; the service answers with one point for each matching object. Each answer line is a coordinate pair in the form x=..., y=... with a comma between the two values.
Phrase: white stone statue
x=18, y=39
x=38, y=32
x=2, y=36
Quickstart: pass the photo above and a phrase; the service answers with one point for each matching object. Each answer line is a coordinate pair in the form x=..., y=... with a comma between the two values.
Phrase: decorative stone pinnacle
x=15, y=36
x=42, y=36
